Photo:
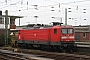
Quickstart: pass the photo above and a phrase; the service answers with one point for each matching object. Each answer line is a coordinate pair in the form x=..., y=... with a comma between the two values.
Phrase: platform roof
x=12, y=16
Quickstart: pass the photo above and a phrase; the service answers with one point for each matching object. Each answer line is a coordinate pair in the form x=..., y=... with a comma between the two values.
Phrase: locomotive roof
x=47, y=27
x=63, y=26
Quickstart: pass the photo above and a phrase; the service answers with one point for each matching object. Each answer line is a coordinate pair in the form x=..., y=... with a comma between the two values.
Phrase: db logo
x=34, y=34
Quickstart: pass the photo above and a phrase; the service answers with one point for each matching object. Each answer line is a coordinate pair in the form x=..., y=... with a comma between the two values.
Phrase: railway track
x=11, y=56
x=58, y=56
x=54, y=55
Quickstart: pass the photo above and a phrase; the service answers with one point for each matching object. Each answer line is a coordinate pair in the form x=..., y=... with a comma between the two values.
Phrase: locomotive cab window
x=70, y=31
x=67, y=31
x=64, y=31
x=55, y=31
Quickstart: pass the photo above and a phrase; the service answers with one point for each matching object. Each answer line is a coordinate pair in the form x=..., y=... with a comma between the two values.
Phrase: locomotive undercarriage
x=50, y=46
x=68, y=46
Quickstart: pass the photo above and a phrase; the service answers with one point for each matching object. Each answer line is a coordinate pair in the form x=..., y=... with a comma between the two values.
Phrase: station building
x=82, y=33
x=11, y=26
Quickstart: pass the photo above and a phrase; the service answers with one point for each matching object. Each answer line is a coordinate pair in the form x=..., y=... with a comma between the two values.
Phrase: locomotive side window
x=55, y=31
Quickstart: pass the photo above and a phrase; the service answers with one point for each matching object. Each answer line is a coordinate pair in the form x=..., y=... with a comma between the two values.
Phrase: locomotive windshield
x=67, y=31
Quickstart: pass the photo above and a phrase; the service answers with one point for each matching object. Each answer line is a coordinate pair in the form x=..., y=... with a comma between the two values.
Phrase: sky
x=44, y=11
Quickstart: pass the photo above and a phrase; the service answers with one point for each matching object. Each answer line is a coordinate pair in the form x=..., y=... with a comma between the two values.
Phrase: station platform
x=83, y=44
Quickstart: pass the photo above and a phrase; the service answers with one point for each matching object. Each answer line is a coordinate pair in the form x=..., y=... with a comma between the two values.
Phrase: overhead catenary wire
x=10, y=4
x=38, y=7
x=50, y=1
x=28, y=6
x=68, y=2
x=43, y=6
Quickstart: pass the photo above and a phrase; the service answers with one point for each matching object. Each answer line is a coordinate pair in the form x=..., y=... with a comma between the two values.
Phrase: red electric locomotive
x=59, y=37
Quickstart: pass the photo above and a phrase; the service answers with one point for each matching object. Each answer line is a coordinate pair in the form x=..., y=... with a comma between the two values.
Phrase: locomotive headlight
x=63, y=37
x=19, y=37
x=71, y=37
